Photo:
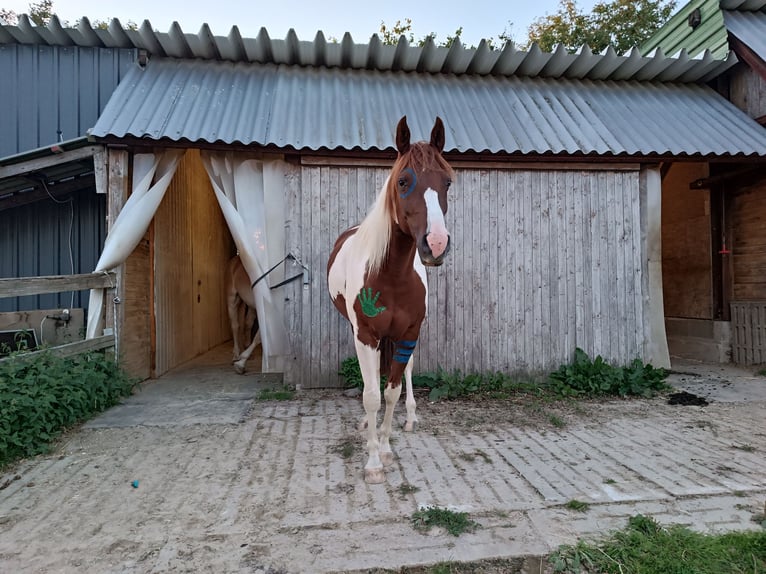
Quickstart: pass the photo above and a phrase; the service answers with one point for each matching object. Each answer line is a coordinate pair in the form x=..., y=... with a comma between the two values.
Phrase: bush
x=43, y=394
x=586, y=377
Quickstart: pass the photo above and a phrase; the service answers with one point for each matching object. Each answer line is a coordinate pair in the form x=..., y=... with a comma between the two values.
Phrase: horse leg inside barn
x=392, y=396
x=412, y=420
x=239, y=364
x=233, y=306
x=369, y=364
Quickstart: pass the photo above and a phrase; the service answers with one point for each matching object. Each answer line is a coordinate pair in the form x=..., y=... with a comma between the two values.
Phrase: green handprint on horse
x=368, y=302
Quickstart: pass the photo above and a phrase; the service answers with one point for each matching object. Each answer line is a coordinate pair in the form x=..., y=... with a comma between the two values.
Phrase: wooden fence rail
x=21, y=286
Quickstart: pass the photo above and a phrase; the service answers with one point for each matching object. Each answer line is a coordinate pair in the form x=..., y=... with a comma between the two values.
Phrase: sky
x=479, y=18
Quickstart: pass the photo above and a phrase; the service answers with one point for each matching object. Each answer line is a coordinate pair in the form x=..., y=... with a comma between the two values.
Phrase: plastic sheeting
x=152, y=174
x=246, y=190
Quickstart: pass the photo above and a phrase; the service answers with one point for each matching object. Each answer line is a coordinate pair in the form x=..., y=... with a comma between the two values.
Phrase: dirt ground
x=194, y=474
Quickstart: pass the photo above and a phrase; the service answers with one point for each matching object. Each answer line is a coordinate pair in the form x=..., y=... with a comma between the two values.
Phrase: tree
x=390, y=35
x=619, y=23
x=39, y=12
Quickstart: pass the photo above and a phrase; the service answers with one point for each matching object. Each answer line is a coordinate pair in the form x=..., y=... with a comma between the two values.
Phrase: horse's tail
x=387, y=347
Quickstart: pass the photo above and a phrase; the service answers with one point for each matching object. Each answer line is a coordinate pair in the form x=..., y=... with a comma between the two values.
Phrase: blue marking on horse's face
x=413, y=183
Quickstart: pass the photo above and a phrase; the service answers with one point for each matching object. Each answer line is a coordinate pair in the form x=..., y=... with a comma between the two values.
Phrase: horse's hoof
x=240, y=368
x=410, y=426
x=387, y=458
x=374, y=476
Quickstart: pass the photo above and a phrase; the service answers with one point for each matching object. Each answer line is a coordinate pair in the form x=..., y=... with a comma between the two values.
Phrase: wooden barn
x=556, y=217
x=714, y=214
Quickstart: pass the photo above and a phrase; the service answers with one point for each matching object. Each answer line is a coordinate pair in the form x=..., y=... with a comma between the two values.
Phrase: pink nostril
x=437, y=241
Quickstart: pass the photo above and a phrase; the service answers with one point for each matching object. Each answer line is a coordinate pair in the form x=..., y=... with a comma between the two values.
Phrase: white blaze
x=437, y=236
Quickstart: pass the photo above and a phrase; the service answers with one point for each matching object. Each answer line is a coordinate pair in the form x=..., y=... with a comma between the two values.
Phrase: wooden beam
x=76, y=348
x=21, y=286
x=708, y=182
x=42, y=162
x=71, y=186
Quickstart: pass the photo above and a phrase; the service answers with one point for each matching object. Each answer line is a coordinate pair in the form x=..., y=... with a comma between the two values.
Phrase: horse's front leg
x=369, y=364
x=391, y=394
x=412, y=419
x=232, y=306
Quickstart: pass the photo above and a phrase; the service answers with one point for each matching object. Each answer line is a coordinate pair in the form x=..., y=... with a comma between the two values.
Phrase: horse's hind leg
x=239, y=364
x=409, y=403
x=369, y=363
x=232, y=306
x=392, y=396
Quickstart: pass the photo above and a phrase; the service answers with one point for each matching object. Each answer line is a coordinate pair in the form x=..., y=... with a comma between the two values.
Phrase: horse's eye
x=402, y=182
x=449, y=182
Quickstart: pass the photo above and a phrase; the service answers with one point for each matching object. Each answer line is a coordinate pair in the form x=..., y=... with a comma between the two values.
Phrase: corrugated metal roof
x=374, y=55
x=748, y=27
x=313, y=108
x=746, y=19
x=677, y=34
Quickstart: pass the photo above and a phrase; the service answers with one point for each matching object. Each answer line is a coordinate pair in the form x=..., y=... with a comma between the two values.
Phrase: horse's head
x=419, y=182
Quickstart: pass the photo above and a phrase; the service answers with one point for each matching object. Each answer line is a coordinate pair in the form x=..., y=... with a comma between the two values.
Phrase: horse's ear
x=437, y=135
x=402, y=135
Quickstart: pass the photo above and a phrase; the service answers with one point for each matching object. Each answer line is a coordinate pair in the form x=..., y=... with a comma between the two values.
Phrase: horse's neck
x=401, y=252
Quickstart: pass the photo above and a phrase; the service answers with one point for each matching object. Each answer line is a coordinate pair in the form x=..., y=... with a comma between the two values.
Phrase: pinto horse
x=242, y=317
x=377, y=279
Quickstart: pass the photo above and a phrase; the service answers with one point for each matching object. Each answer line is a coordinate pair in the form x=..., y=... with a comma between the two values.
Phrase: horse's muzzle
x=427, y=257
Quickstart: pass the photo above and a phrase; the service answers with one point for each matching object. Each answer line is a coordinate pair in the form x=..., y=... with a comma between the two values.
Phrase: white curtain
x=250, y=193
x=152, y=174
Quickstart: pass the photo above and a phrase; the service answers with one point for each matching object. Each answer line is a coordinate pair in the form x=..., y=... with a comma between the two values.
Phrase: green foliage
x=622, y=24
x=283, y=394
x=593, y=378
x=43, y=394
x=351, y=373
x=453, y=522
x=645, y=547
x=577, y=505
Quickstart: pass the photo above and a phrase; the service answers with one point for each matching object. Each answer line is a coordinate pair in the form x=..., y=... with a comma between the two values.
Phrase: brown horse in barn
x=379, y=284
x=242, y=316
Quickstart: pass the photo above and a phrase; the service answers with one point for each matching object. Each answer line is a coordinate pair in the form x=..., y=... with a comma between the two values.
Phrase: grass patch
x=744, y=447
x=283, y=394
x=577, y=505
x=610, y=481
x=42, y=395
x=456, y=523
x=645, y=547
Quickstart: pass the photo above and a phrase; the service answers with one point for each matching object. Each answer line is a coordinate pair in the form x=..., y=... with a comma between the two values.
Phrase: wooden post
x=117, y=194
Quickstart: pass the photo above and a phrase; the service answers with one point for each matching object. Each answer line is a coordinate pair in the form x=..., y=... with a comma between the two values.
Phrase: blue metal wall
x=35, y=240
x=45, y=90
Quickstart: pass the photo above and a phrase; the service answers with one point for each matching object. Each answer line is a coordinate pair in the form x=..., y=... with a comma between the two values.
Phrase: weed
x=761, y=372
x=346, y=449
x=744, y=447
x=407, y=488
x=586, y=377
x=456, y=523
x=283, y=394
x=577, y=505
x=556, y=421
x=43, y=394
x=645, y=547
x=610, y=481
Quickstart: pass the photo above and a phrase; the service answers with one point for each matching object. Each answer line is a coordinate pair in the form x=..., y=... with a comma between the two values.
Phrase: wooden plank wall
x=748, y=329
x=749, y=243
x=541, y=262
x=748, y=92
x=191, y=248
x=687, y=273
